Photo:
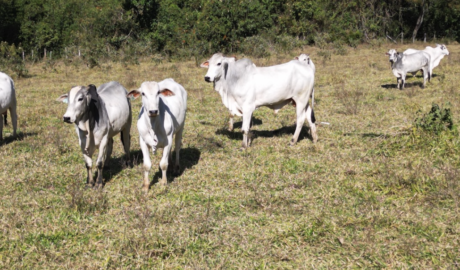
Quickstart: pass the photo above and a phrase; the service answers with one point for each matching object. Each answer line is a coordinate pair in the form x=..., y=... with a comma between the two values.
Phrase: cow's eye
x=143, y=94
x=219, y=64
x=80, y=99
x=159, y=92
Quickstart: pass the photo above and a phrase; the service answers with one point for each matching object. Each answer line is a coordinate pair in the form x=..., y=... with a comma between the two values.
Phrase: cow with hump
x=7, y=102
x=161, y=118
x=244, y=87
x=99, y=114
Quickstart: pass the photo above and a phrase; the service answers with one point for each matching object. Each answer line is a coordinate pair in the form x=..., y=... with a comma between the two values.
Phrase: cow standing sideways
x=162, y=117
x=244, y=87
x=7, y=102
x=409, y=63
x=98, y=115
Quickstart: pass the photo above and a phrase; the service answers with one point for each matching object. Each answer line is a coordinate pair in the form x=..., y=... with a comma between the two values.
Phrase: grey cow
x=98, y=115
x=404, y=64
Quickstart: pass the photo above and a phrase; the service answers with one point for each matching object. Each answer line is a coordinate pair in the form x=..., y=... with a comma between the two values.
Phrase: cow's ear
x=63, y=98
x=205, y=64
x=296, y=58
x=387, y=53
x=234, y=56
x=167, y=92
x=133, y=94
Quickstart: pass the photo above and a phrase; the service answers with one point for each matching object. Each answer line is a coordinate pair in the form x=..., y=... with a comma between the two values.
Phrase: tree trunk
x=419, y=22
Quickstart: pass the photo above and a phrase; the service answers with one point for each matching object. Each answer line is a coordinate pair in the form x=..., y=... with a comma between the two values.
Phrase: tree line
x=99, y=28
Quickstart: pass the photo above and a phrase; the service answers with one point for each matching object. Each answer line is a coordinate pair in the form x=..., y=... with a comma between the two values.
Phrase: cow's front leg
x=100, y=161
x=164, y=161
x=247, y=115
x=147, y=164
x=230, y=122
x=87, y=155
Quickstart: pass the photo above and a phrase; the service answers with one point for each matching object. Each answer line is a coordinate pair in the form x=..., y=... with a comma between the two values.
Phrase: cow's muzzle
x=208, y=79
x=67, y=119
x=153, y=113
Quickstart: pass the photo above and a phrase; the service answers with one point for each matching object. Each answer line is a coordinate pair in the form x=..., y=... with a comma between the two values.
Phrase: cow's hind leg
x=109, y=153
x=1, y=130
x=300, y=120
x=310, y=116
x=147, y=164
x=177, y=147
x=14, y=118
x=126, y=141
x=5, y=115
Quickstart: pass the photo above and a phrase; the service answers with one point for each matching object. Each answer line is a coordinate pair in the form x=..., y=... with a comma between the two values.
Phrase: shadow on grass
x=238, y=135
x=19, y=137
x=118, y=164
x=188, y=158
x=406, y=85
x=374, y=135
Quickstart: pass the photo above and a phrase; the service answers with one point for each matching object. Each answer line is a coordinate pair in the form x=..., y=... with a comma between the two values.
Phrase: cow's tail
x=312, y=98
x=310, y=114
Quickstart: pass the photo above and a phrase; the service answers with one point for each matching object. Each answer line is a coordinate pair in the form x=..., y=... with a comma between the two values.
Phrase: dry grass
x=370, y=194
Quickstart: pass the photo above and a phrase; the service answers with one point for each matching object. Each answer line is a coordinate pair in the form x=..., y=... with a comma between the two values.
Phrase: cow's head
x=78, y=100
x=443, y=49
x=392, y=55
x=217, y=66
x=303, y=58
x=150, y=92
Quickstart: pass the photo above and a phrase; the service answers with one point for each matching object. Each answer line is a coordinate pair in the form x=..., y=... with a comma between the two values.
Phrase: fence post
x=44, y=56
x=402, y=37
x=32, y=53
x=424, y=38
x=22, y=56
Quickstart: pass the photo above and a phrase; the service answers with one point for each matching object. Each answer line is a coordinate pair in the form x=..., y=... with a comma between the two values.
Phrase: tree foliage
x=193, y=27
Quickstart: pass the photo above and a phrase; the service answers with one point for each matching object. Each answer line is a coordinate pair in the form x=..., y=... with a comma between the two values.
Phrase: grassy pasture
x=372, y=193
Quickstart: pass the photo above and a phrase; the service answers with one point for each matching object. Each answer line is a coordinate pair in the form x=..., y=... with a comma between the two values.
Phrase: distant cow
x=162, y=117
x=306, y=60
x=436, y=54
x=244, y=88
x=7, y=102
x=98, y=115
x=408, y=63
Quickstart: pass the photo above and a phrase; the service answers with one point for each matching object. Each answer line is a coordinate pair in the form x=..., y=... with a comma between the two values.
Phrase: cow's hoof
x=145, y=189
x=163, y=182
x=176, y=171
x=98, y=186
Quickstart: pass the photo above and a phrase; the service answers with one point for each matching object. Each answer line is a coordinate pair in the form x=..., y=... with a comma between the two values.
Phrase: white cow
x=411, y=63
x=244, y=88
x=306, y=60
x=437, y=53
x=7, y=102
x=98, y=116
x=162, y=117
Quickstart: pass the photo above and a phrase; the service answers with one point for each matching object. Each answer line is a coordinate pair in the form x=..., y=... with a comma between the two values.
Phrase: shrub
x=255, y=46
x=435, y=121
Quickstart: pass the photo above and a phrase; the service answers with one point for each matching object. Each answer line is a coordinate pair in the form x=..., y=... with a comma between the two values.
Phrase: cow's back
x=116, y=103
x=176, y=105
x=7, y=94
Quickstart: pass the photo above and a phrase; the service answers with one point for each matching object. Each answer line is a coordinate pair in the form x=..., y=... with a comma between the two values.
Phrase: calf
x=7, y=102
x=162, y=117
x=98, y=114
